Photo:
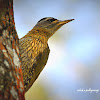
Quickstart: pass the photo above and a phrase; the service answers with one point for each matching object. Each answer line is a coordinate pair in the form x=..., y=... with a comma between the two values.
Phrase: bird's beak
x=65, y=21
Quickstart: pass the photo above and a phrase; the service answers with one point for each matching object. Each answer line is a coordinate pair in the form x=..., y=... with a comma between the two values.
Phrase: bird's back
x=34, y=54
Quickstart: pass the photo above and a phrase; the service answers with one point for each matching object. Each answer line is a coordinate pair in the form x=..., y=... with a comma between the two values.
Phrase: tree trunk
x=11, y=80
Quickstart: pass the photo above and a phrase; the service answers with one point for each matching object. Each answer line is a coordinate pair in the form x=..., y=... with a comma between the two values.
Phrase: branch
x=11, y=80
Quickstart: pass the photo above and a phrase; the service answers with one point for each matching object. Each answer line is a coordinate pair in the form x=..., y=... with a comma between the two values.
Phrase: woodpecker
x=34, y=49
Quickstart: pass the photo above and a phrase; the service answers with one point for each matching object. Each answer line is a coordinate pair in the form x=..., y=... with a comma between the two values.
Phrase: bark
x=11, y=80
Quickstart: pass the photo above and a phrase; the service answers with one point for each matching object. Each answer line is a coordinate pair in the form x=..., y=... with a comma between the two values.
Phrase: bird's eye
x=51, y=20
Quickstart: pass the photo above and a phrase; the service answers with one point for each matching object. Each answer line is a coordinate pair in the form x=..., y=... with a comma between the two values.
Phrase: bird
x=34, y=49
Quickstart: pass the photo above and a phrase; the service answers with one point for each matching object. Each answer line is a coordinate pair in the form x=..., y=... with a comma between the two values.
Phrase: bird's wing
x=34, y=55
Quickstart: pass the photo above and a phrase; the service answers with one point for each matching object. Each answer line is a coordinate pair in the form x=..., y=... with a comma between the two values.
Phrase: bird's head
x=50, y=25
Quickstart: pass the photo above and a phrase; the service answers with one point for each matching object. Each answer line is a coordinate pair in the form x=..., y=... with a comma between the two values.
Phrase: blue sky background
x=74, y=61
